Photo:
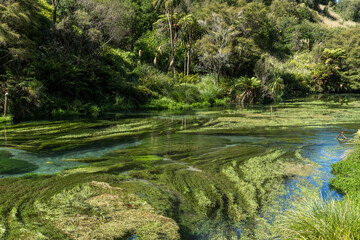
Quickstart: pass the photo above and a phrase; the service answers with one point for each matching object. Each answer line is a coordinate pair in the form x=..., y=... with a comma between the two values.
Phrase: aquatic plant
x=211, y=183
x=83, y=212
x=10, y=165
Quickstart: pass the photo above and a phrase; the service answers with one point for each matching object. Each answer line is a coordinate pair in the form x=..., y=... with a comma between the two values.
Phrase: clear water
x=49, y=163
x=318, y=144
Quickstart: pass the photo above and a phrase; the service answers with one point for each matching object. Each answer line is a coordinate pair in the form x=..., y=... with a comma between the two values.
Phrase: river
x=218, y=172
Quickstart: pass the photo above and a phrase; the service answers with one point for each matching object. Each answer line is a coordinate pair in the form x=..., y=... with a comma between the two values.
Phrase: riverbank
x=314, y=216
x=347, y=172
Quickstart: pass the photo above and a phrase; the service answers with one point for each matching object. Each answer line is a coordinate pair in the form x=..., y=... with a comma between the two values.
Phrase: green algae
x=201, y=192
x=59, y=136
x=305, y=114
x=9, y=165
x=47, y=209
x=96, y=202
x=202, y=175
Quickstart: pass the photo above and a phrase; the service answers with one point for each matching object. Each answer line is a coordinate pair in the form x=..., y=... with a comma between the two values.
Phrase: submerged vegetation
x=184, y=177
x=9, y=165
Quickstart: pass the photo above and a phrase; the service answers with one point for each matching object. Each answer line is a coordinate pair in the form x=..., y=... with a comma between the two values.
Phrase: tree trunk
x=55, y=4
x=188, y=60
x=172, y=57
x=5, y=104
x=185, y=64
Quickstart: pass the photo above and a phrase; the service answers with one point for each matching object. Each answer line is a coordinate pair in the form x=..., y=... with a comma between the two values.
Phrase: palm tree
x=169, y=6
x=249, y=88
x=191, y=30
x=276, y=86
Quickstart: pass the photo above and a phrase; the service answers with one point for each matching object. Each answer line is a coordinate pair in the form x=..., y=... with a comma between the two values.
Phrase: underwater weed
x=10, y=165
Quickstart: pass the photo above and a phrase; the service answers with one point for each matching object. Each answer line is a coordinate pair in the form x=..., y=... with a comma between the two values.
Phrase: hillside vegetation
x=62, y=58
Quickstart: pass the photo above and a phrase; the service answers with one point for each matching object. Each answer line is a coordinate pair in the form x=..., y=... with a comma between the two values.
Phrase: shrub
x=222, y=102
x=208, y=90
x=317, y=218
x=247, y=89
x=186, y=93
x=161, y=103
x=94, y=111
x=154, y=79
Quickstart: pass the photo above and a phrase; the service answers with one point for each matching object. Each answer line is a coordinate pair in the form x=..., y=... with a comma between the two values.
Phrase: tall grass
x=318, y=218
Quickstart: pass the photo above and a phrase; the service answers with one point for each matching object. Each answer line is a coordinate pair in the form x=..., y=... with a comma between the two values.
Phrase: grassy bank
x=347, y=173
x=313, y=217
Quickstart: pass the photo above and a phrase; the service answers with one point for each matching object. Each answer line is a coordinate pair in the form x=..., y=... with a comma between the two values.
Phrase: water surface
x=223, y=167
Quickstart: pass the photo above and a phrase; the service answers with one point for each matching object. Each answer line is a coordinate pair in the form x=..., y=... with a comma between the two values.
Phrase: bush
x=192, y=79
x=154, y=80
x=161, y=103
x=208, y=90
x=94, y=111
x=185, y=93
x=317, y=218
x=222, y=102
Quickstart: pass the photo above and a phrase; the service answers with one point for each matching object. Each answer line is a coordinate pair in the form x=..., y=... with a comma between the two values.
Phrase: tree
x=191, y=31
x=327, y=76
x=276, y=87
x=14, y=28
x=349, y=9
x=349, y=40
x=169, y=7
x=254, y=23
x=215, y=49
x=110, y=18
x=249, y=88
x=55, y=4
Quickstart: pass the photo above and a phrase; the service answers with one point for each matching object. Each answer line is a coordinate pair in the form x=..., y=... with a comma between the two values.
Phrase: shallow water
x=324, y=149
x=318, y=145
x=169, y=143
x=50, y=163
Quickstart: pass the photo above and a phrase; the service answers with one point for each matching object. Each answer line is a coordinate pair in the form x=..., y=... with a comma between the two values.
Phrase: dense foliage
x=66, y=57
